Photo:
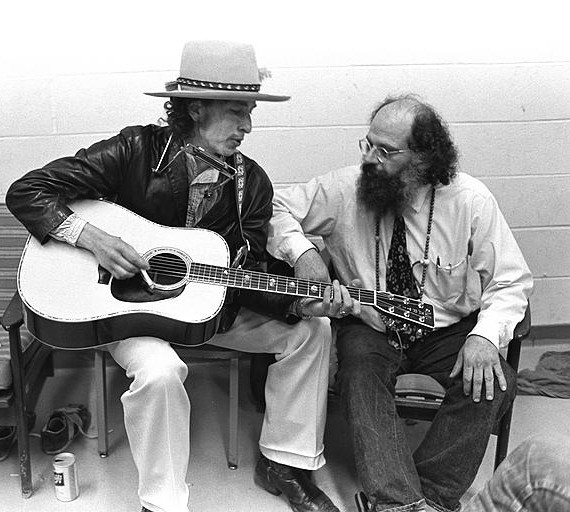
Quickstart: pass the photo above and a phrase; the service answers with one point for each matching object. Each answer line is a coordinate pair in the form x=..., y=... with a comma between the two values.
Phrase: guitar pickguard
x=135, y=289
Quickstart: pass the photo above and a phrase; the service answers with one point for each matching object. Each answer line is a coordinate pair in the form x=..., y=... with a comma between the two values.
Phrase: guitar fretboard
x=394, y=306
x=260, y=281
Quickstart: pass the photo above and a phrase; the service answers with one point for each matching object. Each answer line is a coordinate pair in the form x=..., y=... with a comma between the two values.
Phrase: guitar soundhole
x=167, y=269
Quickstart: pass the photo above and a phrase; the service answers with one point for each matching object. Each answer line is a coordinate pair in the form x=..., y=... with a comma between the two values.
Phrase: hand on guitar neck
x=337, y=301
x=111, y=252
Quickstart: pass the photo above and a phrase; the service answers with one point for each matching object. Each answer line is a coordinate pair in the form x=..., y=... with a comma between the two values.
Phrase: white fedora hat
x=218, y=70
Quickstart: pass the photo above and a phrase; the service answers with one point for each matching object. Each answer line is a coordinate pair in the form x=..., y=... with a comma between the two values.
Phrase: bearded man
x=407, y=222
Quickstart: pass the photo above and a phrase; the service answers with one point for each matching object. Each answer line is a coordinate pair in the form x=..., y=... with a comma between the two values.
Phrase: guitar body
x=70, y=302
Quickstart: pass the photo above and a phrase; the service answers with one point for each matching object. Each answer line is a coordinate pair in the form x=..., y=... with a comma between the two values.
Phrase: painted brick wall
x=504, y=90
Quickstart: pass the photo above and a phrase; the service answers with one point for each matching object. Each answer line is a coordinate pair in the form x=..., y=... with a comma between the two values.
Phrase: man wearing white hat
x=151, y=171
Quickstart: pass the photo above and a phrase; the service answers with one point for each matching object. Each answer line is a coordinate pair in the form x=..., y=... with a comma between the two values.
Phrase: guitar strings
x=175, y=267
x=221, y=274
x=172, y=267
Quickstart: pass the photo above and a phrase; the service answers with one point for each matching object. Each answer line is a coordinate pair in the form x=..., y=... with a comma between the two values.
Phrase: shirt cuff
x=69, y=230
x=496, y=331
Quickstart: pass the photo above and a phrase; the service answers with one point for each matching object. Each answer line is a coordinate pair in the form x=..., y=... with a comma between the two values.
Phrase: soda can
x=65, y=477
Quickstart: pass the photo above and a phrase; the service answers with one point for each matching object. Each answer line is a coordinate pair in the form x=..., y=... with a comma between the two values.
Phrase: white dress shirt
x=474, y=260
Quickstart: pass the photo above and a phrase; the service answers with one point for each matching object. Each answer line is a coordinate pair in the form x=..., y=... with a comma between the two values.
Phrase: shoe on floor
x=8, y=436
x=295, y=484
x=63, y=426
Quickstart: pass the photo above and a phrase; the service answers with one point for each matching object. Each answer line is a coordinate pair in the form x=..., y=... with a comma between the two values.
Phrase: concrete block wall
x=505, y=95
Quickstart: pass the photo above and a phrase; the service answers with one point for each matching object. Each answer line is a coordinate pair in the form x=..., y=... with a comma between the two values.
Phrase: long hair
x=430, y=138
x=178, y=118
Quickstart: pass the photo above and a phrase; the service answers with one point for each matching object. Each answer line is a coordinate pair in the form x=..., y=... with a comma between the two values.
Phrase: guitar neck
x=399, y=307
x=272, y=283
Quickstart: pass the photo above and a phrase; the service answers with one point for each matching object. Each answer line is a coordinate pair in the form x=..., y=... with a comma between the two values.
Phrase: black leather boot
x=295, y=484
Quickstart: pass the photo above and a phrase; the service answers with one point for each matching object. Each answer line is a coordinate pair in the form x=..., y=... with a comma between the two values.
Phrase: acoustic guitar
x=71, y=302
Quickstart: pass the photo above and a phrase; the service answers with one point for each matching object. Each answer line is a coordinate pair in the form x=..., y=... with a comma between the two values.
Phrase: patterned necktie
x=400, y=281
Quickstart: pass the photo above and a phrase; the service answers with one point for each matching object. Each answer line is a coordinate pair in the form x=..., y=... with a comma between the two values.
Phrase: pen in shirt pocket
x=447, y=268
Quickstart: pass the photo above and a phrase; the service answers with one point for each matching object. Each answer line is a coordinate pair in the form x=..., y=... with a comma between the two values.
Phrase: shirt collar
x=421, y=198
x=208, y=175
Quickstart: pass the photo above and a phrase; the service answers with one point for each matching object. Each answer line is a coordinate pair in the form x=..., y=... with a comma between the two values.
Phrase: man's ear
x=195, y=109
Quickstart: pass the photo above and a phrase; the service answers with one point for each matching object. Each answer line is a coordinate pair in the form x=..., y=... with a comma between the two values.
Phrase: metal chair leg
x=233, y=419
x=101, y=392
x=17, y=360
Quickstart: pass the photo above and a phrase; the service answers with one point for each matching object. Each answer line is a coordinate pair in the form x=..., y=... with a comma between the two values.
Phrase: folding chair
x=418, y=396
x=31, y=362
x=204, y=352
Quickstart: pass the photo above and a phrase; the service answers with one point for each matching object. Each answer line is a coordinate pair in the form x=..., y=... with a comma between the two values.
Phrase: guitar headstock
x=403, y=309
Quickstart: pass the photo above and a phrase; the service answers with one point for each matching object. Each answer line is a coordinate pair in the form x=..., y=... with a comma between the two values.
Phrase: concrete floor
x=110, y=484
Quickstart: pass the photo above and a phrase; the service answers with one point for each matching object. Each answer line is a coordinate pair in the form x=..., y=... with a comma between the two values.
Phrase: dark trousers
x=446, y=462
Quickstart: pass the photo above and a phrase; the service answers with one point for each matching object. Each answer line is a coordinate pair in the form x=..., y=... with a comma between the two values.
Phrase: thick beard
x=381, y=192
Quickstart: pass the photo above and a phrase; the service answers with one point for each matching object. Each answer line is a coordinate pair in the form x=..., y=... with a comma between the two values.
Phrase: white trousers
x=157, y=407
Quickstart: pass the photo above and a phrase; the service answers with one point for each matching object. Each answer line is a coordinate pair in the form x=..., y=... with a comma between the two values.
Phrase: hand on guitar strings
x=111, y=252
x=336, y=302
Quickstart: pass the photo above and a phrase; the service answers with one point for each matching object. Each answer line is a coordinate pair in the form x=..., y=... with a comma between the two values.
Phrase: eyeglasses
x=379, y=152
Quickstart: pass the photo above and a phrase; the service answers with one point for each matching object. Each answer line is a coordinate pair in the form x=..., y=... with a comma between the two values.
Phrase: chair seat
x=208, y=351
x=416, y=385
x=418, y=397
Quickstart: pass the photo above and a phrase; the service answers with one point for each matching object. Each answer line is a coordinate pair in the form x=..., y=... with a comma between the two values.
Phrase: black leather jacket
x=120, y=169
